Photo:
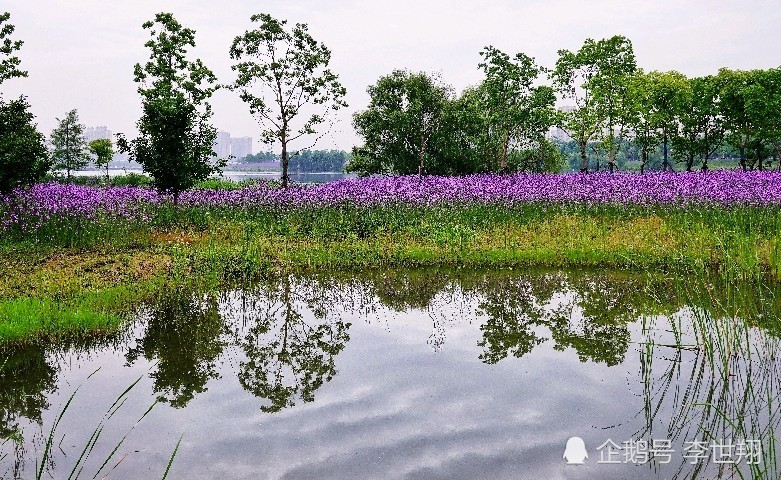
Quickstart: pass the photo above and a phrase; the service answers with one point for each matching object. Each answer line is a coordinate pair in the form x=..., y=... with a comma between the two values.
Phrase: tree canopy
x=283, y=76
x=70, y=147
x=175, y=142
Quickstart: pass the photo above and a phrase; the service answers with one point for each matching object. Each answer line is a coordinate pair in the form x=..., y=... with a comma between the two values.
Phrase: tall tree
x=767, y=105
x=516, y=111
x=616, y=64
x=103, y=152
x=23, y=156
x=700, y=124
x=741, y=123
x=405, y=114
x=70, y=147
x=668, y=96
x=655, y=102
x=9, y=63
x=283, y=76
x=175, y=142
x=585, y=78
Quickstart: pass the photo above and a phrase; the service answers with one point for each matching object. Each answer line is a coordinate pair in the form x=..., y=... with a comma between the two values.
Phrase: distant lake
x=235, y=175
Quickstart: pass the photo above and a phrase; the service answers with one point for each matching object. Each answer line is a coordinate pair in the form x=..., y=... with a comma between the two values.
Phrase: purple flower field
x=31, y=208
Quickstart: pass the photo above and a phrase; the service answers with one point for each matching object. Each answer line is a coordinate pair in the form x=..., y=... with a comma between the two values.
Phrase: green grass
x=26, y=319
x=84, y=275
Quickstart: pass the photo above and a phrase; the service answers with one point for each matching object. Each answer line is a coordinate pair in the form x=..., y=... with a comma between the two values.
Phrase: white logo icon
x=575, y=452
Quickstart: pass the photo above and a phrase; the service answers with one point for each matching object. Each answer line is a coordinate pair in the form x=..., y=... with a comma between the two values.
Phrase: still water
x=421, y=374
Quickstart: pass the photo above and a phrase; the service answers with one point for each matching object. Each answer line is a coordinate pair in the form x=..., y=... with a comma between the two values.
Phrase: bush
x=23, y=156
x=132, y=180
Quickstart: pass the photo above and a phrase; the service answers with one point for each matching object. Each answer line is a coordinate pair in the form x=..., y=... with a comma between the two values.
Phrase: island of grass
x=75, y=259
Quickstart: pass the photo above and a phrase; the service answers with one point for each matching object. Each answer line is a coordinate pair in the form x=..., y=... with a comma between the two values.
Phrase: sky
x=80, y=53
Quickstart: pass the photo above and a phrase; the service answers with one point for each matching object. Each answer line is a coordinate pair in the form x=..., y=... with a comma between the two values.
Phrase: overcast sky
x=80, y=53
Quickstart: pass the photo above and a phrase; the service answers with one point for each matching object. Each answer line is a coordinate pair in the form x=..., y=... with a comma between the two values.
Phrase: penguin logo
x=575, y=452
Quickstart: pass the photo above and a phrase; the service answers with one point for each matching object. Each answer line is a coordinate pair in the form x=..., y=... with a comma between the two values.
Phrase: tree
x=543, y=157
x=585, y=78
x=9, y=63
x=668, y=93
x=767, y=104
x=405, y=115
x=103, y=151
x=516, y=112
x=700, y=125
x=176, y=140
x=23, y=156
x=656, y=102
x=741, y=123
x=69, y=145
x=283, y=76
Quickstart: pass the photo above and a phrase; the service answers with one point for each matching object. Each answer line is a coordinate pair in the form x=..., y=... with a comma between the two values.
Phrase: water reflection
x=184, y=335
x=686, y=360
x=287, y=356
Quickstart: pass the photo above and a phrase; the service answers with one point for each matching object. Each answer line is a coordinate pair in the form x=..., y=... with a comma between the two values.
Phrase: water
x=410, y=374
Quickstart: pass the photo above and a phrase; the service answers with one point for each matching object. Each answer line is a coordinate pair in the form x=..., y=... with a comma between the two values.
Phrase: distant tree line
x=306, y=161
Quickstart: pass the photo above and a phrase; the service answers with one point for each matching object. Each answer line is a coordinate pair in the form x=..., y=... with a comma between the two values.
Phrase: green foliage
x=401, y=126
x=700, y=124
x=23, y=156
x=283, y=76
x=70, y=148
x=594, y=79
x=544, y=157
x=318, y=161
x=514, y=111
x=9, y=63
x=261, y=157
x=175, y=139
x=655, y=101
x=103, y=152
x=131, y=180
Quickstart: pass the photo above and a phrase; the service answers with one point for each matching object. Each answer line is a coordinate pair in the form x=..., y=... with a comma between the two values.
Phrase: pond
x=412, y=374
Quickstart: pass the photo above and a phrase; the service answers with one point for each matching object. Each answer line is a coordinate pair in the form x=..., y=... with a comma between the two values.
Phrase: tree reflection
x=25, y=378
x=184, y=335
x=512, y=317
x=286, y=355
x=587, y=313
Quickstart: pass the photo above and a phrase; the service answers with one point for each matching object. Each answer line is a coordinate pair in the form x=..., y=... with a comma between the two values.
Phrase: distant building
x=222, y=145
x=241, y=147
x=96, y=133
x=556, y=133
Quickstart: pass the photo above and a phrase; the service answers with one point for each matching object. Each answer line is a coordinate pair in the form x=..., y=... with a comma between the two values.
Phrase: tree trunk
x=644, y=159
x=611, y=160
x=421, y=153
x=705, y=164
x=666, y=162
x=743, y=157
x=503, y=157
x=583, y=160
x=285, y=161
